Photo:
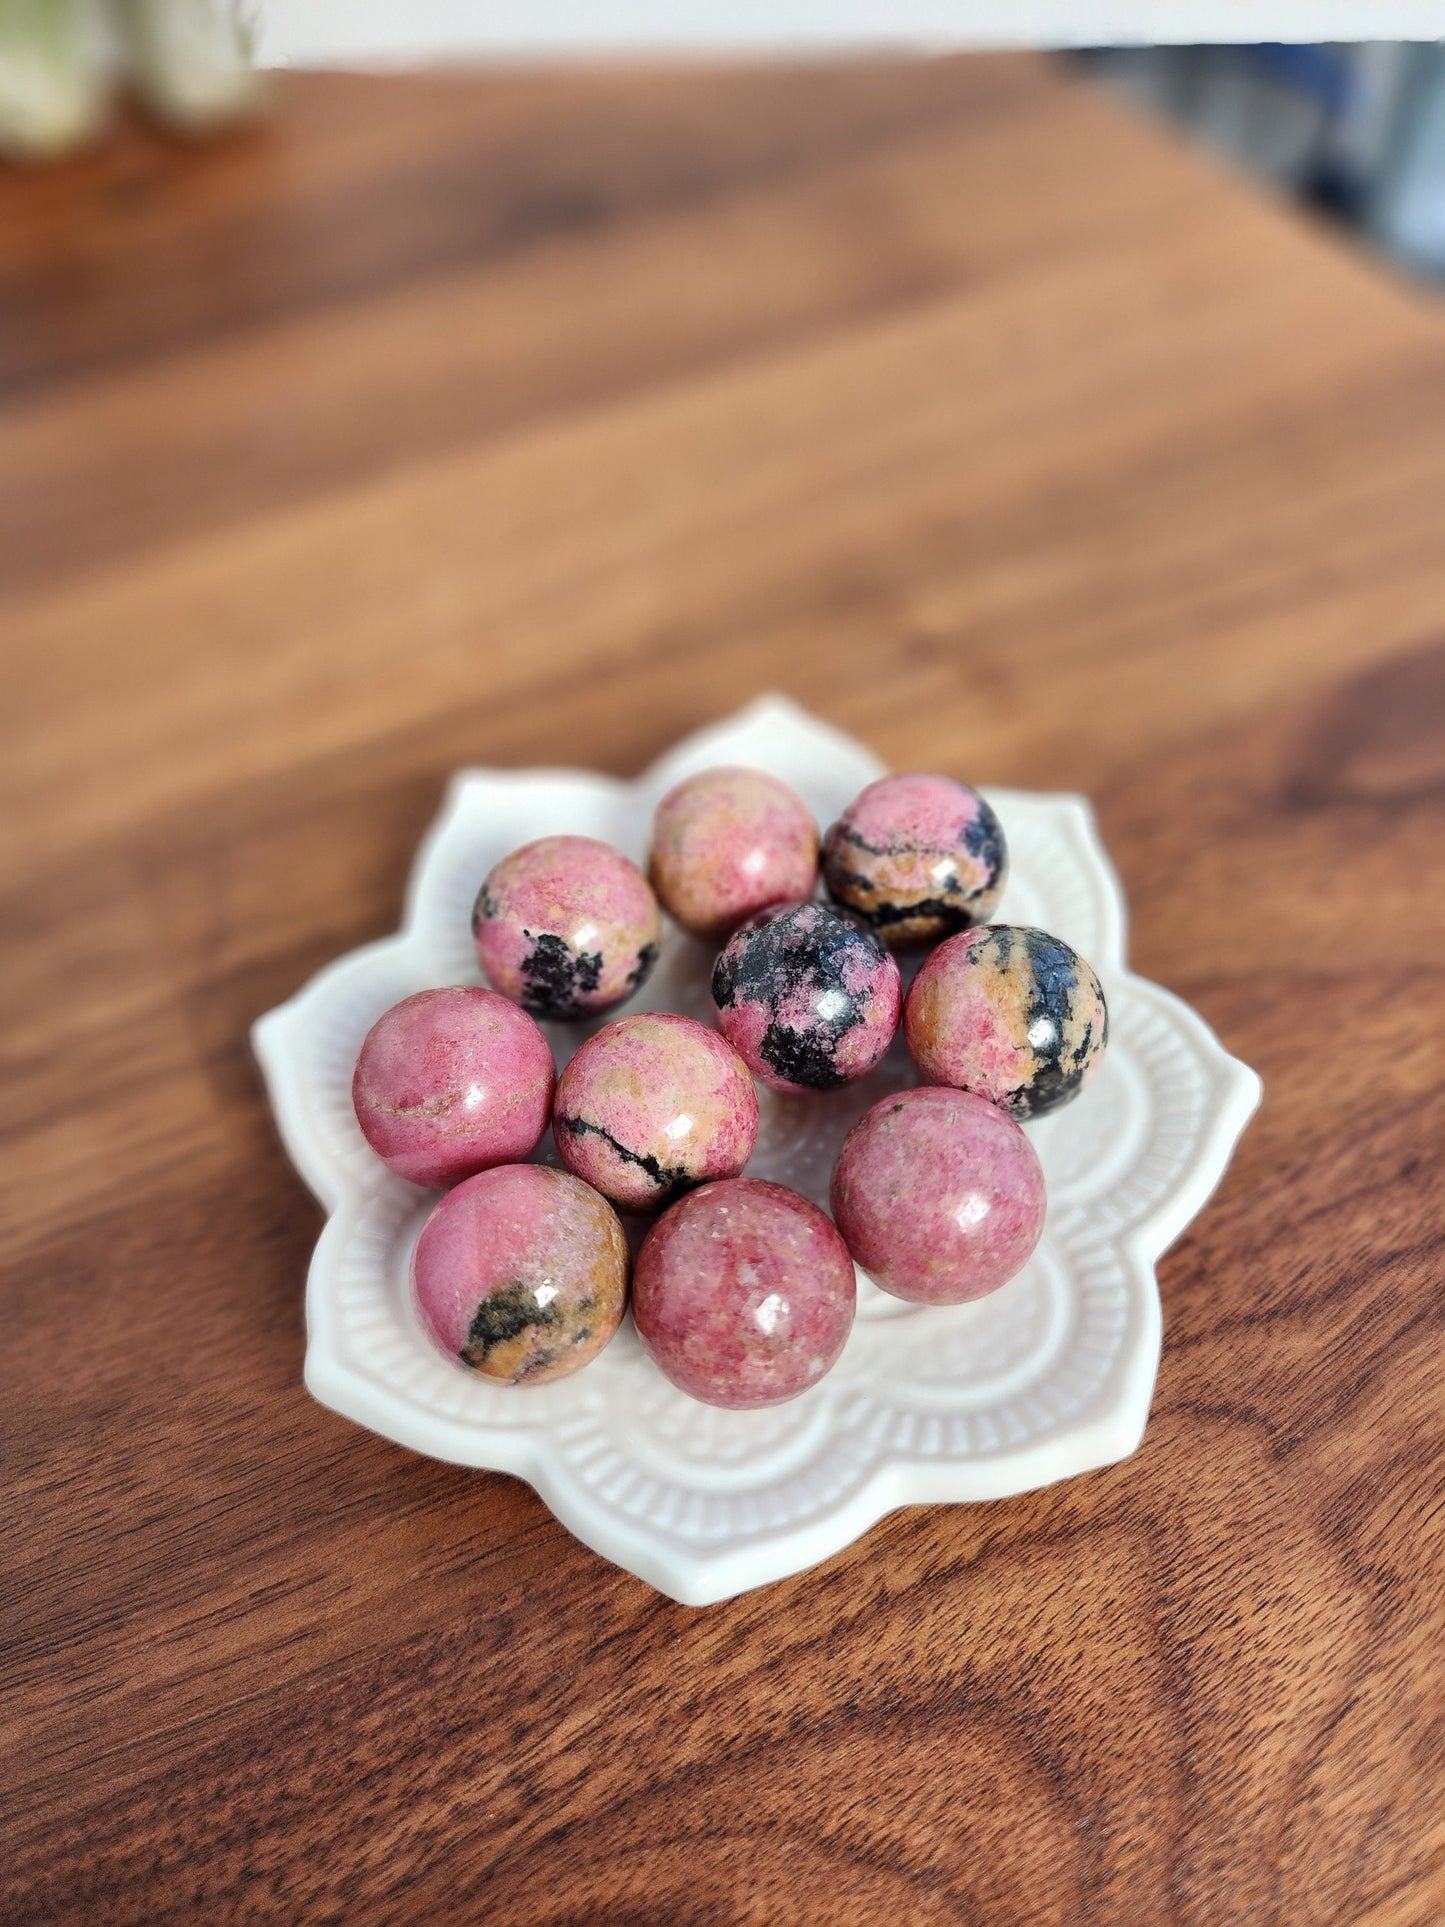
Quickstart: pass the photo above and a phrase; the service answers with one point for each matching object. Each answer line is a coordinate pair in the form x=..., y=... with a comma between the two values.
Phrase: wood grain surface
x=522, y=419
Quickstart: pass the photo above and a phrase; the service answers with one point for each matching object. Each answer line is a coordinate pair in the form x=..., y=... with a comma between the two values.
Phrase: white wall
x=363, y=32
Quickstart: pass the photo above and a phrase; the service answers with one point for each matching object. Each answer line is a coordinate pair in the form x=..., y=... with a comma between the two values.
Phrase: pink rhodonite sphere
x=917, y=856
x=1009, y=1012
x=744, y=1294
x=729, y=842
x=653, y=1105
x=521, y=1273
x=566, y=926
x=939, y=1195
x=806, y=996
x=451, y=1081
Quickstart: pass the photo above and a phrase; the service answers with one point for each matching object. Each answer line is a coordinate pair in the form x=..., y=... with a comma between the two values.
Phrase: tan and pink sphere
x=743, y=1291
x=652, y=1106
x=726, y=844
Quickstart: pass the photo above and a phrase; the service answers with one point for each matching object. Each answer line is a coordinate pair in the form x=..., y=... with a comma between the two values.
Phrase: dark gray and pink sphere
x=806, y=996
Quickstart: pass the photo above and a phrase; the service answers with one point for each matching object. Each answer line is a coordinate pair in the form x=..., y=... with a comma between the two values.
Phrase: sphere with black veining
x=521, y=1273
x=566, y=926
x=918, y=857
x=1011, y=1013
x=653, y=1105
x=807, y=997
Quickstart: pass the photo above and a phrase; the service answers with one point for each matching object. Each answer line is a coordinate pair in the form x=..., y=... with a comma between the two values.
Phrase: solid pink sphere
x=521, y=1273
x=939, y=1195
x=744, y=1294
x=728, y=842
x=651, y=1106
x=451, y=1081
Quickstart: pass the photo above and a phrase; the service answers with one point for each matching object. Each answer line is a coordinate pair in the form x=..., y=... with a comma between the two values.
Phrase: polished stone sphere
x=566, y=926
x=451, y=1081
x=918, y=857
x=1012, y=1013
x=744, y=1293
x=939, y=1195
x=653, y=1105
x=521, y=1274
x=807, y=997
x=728, y=842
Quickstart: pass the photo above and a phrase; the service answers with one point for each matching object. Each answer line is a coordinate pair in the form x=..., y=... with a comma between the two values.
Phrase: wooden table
x=516, y=419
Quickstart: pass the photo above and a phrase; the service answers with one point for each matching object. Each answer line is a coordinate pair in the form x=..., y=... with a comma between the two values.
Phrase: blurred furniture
x=527, y=419
x=186, y=63
x=1356, y=130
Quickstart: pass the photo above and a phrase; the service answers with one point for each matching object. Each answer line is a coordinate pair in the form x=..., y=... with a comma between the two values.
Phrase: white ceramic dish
x=1048, y=1377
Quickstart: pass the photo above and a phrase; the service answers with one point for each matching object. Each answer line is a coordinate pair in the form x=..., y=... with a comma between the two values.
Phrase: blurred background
x=1356, y=131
